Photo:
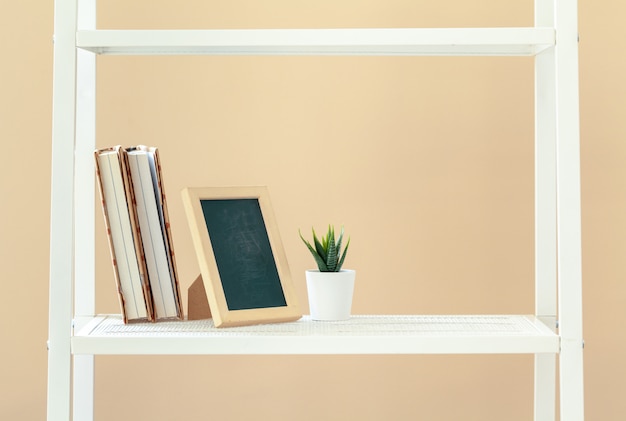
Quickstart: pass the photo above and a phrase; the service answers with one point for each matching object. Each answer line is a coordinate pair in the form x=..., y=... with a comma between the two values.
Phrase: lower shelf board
x=361, y=334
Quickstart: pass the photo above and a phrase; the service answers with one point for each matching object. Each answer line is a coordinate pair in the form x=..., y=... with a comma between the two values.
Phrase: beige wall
x=427, y=162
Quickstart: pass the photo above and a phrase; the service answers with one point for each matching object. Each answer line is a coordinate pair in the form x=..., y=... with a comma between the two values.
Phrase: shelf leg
x=84, y=200
x=571, y=381
x=545, y=214
x=569, y=212
x=83, y=387
x=545, y=389
x=62, y=212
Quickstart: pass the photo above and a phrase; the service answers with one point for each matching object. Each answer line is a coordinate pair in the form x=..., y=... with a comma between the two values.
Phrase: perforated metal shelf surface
x=405, y=334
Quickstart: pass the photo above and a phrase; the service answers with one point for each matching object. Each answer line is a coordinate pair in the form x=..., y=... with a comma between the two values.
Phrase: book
x=121, y=224
x=138, y=229
x=154, y=228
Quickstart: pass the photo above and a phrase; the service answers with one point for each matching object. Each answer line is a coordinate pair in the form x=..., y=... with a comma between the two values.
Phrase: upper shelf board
x=377, y=42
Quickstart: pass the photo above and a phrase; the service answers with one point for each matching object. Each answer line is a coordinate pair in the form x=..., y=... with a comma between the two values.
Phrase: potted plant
x=330, y=288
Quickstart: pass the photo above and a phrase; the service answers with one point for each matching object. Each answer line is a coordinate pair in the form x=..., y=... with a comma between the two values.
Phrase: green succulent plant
x=327, y=252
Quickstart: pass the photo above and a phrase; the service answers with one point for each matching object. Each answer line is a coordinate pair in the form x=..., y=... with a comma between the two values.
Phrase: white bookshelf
x=77, y=334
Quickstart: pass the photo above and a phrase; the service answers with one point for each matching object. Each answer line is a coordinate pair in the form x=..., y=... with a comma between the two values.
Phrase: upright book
x=122, y=227
x=148, y=223
x=154, y=227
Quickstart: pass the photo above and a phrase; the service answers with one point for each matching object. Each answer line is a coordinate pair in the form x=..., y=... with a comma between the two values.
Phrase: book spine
x=168, y=233
x=134, y=222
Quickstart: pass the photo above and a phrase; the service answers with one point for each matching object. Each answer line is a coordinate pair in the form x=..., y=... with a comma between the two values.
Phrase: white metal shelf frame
x=553, y=42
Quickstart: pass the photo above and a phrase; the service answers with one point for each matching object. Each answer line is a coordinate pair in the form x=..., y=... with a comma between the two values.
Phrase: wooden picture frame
x=241, y=257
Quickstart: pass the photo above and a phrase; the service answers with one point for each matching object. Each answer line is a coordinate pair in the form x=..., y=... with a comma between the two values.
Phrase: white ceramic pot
x=330, y=294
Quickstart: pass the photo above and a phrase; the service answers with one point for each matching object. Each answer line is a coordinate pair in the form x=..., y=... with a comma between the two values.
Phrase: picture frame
x=242, y=261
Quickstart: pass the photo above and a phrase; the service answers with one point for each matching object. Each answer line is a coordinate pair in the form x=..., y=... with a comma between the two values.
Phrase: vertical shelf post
x=545, y=214
x=84, y=205
x=62, y=212
x=568, y=211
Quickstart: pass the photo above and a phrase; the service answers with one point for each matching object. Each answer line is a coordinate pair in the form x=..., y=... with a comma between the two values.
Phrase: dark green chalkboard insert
x=243, y=253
